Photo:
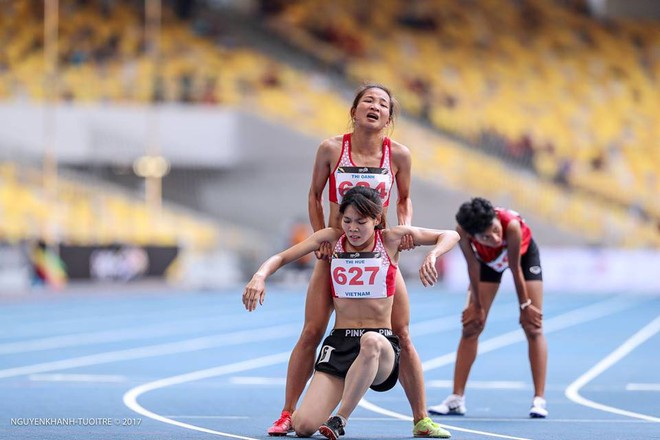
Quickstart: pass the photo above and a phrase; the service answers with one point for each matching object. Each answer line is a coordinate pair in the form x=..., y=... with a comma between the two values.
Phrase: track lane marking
x=563, y=321
x=573, y=390
x=131, y=396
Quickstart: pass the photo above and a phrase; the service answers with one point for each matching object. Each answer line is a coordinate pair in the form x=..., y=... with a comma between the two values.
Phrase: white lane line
x=643, y=387
x=449, y=322
x=377, y=409
x=609, y=306
x=175, y=416
x=102, y=337
x=112, y=335
x=249, y=380
x=91, y=316
x=77, y=378
x=568, y=319
x=130, y=398
x=563, y=321
x=482, y=384
x=460, y=419
x=188, y=345
x=573, y=390
x=474, y=384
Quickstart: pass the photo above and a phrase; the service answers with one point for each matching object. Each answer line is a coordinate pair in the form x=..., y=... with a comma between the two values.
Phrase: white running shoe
x=454, y=405
x=538, y=411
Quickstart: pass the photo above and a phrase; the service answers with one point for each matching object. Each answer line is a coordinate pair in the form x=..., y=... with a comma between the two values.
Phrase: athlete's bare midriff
x=363, y=313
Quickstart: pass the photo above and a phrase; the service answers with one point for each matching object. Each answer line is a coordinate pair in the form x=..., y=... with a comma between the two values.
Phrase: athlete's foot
x=538, y=411
x=281, y=426
x=454, y=405
x=333, y=428
x=427, y=428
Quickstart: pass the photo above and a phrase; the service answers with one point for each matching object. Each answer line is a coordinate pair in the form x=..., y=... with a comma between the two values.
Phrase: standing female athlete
x=492, y=240
x=361, y=352
x=364, y=157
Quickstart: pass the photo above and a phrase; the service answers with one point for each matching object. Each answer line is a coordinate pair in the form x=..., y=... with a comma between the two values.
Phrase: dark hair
x=394, y=106
x=476, y=215
x=366, y=201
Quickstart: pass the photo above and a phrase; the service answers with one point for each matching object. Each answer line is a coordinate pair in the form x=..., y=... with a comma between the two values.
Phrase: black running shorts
x=342, y=346
x=530, y=262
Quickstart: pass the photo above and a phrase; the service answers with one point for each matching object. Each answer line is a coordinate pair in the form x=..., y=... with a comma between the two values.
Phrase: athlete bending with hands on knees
x=492, y=240
x=361, y=351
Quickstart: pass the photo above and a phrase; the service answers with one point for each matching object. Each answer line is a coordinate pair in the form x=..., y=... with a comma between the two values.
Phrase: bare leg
x=469, y=343
x=538, y=347
x=374, y=364
x=318, y=308
x=411, y=374
x=321, y=398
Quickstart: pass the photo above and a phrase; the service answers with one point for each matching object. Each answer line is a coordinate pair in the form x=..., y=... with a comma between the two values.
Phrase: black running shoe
x=333, y=428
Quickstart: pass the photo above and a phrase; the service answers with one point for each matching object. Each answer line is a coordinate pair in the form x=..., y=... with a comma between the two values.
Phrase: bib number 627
x=354, y=276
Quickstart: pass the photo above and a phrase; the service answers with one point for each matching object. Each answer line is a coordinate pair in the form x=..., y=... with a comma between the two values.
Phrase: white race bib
x=358, y=275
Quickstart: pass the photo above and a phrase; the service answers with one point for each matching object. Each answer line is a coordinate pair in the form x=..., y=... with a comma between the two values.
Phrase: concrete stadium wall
x=118, y=134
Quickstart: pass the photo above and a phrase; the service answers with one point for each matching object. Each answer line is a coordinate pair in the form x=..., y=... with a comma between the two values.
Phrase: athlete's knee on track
x=303, y=426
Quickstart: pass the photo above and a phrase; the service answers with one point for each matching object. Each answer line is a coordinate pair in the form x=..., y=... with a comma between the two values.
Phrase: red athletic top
x=347, y=175
x=496, y=257
x=362, y=275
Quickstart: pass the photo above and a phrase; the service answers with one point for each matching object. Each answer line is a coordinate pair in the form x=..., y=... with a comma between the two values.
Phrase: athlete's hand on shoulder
x=324, y=252
x=407, y=243
x=473, y=316
x=531, y=315
x=427, y=272
x=254, y=291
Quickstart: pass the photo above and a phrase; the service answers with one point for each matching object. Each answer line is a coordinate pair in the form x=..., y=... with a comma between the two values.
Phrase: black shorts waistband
x=358, y=332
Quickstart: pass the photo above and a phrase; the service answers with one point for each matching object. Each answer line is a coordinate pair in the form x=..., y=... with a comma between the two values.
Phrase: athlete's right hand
x=324, y=252
x=254, y=291
x=473, y=317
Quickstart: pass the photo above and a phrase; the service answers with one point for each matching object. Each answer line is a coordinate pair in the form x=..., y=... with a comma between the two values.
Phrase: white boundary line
x=643, y=387
x=187, y=345
x=101, y=337
x=573, y=390
x=130, y=398
x=563, y=321
x=377, y=409
x=95, y=378
x=568, y=319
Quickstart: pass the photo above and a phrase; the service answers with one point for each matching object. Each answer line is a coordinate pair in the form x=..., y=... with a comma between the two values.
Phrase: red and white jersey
x=497, y=258
x=346, y=174
x=362, y=274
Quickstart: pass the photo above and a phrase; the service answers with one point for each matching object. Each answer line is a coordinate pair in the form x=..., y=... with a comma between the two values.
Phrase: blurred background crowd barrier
x=174, y=140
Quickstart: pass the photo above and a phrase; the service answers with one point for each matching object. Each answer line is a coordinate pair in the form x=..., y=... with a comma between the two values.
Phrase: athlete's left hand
x=427, y=273
x=407, y=243
x=254, y=291
x=531, y=316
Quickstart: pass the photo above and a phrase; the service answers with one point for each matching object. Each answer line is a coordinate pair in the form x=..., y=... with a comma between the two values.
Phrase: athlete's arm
x=403, y=162
x=320, y=175
x=442, y=241
x=473, y=265
x=404, y=210
x=255, y=290
x=513, y=236
x=513, y=243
